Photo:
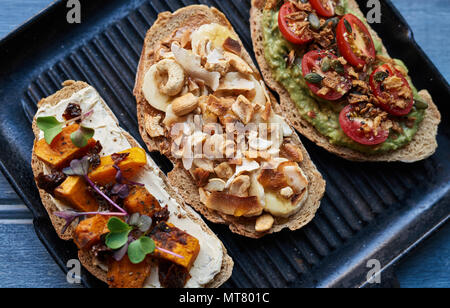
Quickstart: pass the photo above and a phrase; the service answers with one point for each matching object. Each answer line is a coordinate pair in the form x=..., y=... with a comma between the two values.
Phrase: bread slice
x=422, y=146
x=195, y=16
x=86, y=258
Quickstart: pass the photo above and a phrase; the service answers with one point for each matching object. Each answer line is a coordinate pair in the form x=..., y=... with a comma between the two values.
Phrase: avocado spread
x=322, y=114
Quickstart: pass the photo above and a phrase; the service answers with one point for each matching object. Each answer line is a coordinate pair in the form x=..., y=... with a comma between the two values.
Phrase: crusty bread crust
x=195, y=16
x=86, y=258
x=422, y=146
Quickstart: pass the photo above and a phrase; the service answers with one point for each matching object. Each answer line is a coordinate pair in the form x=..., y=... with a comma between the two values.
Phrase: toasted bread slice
x=195, y=16
x=422, y=146
x=86, y=258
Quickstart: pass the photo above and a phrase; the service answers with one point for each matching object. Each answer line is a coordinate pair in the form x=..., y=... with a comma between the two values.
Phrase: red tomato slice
x=385, y=97
x=311, y=63
x=352, y=128
x=288, y=28
x=324, y=8
x=361, y=50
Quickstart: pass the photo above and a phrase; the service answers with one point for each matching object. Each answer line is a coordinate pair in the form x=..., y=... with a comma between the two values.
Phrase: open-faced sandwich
x=104, y=192
x=203, y=104
x=337, y=83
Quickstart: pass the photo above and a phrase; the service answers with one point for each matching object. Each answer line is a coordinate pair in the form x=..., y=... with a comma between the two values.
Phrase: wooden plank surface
x=24, y=262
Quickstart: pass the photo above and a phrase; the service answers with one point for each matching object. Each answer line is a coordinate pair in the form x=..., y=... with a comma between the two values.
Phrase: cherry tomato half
x=324, y=8
x=287, y=27
x=352, y=128
x=387, y=98
x=354, y=41
x=311, y=63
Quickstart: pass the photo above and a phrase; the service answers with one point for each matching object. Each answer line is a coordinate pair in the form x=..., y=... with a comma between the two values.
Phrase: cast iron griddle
x=370, y=211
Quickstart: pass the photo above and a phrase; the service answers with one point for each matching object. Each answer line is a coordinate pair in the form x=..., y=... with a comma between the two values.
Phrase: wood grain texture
x=24, y=262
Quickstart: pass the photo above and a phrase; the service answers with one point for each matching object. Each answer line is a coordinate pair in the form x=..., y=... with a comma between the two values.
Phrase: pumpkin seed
x=348, y=26
x=325, y=65
x=334, y=21
x=338, y=67
x=314, y=21
x=313, y=78
x=381, y=76
x=420, y=104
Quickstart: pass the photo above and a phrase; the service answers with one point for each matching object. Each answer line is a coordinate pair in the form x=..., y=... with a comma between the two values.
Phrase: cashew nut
x=215, y=185
x=152, y=126
x=185, y=104
x=174, y=73
x=239, y=187
x=224, y=171
x=286, y=192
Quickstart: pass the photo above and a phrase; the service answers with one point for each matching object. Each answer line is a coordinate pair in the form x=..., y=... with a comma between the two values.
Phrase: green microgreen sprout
x=52, y=128
x=120, y=240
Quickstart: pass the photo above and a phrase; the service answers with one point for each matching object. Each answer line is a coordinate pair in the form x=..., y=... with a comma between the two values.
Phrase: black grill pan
x=370, y=211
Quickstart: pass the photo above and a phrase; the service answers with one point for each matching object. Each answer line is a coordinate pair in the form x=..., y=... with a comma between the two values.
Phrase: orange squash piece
x=141, y=201
x=74, y=192
x=124, y=274
x=169, y=237
x=105, y=173
x=89, y=231
x=61, y=151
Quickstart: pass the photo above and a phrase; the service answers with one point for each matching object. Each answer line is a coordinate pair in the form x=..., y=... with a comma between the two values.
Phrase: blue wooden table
x=24, y=262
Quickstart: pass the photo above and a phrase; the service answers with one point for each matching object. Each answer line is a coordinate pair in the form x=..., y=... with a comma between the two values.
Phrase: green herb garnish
x=81, y=137
x=120, y=240
x=50, y=126
x=139, y=249
x=119, y=231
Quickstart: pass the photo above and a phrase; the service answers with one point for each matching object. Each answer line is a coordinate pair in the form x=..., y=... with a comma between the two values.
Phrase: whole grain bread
x=87, y=258
x=194, y=16
x=422, y=146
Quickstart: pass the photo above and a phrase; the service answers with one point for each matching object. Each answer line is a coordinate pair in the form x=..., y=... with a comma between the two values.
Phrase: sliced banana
x=151, y=91
x=281, y=207
x=215, y=33
x=256, y=189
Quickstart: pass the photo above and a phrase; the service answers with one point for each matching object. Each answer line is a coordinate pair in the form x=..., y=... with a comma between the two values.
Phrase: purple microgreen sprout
x=119, y=254
x=134, y=219
x=70, y=216
x=170, y=253
x=122, y=180
x=142, y=222
x=81, y=168
x=120, y=190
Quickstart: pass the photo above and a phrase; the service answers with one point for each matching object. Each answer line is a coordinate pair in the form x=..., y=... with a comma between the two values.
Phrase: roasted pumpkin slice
x=61, y=151
x=124, y=274
x=105, y=173
x=141, y=201
x=74, y=193
x=169, y=237
x=89, y=231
